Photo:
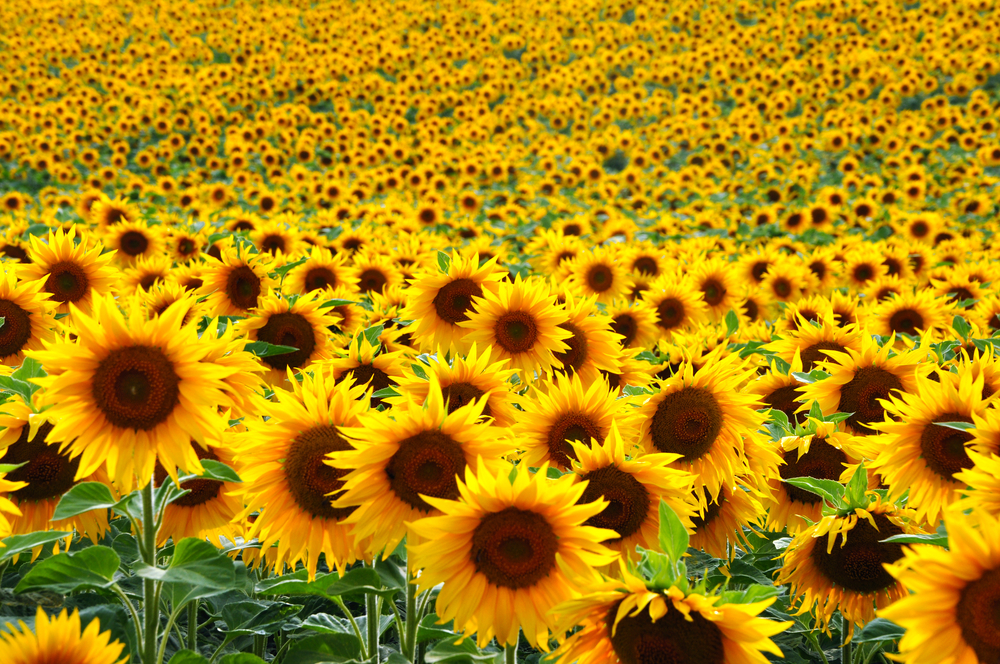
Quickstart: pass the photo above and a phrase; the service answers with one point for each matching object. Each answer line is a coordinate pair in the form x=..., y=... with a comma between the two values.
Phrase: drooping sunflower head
x=521, y=322
x=703, y=416
x=437, y=301
x=511, y=544
x=624, y=622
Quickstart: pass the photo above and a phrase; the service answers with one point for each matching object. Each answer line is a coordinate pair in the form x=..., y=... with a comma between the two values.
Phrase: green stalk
x=357, y=630
x=510, y=653
x=412, y=617
x=192, y=635
x=373, y=608
x=846, y=647
x=150, y=599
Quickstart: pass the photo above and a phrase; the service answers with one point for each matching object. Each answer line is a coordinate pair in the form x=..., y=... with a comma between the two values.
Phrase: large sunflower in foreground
x=59, y=639
x=704, y=417
x=439, y=300
x=860, y=381
x=522, y=323
x=918, y=456
x=511, y=547
x=47, y=472
x=403, y=457
x=72, y=273
x=27, y=314
x=463, y=380
x=130, y=391
x=951, y=613
x=234, y=283
x=624, y=622
x=839, y=564
x=633, y=488
x=562, y=410
x=283, y=464
x=301, y=324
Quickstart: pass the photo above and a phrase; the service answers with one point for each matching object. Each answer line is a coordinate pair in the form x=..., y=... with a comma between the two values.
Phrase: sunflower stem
x=372, y=610
x=412, y=616
x=136, y=623
x=510, y=653
x=357, y=630
x=150, y=596
x=192, y=633
x=846, y=647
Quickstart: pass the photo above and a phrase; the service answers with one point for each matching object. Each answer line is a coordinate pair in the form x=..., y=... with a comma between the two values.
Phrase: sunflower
x=47, y=473
x=522, y=323
x=677, y=304
x=633, y=488
x=299, y=323
x=824, y=267
x=839, y=563
x=463, y=380
x=780, y=391
x=625, y=622
x=562, y=410
x=107, y=213
x=226, y=349
x=130, y=391
x=601, y=274
x=286, y=478
x=322, y=271
x=144, y=274
x=632, y=372
x=704, y=417
x=861, y=380
x=234, y=284
x=915, y=454
x=812, y=342
x=635, y=322
x=401, y=459
x=861, y=266
x=721, y=525
x=72, y=273
x=352, y=316
x=910, y=313
x=28, y=317
x=950, y=614
x=184, y=245
x=133, y=240
x=275, y=237
x=437, y=301
x=165, y=293
x=713, y=277
x=594, y=347
x=374, y=272
x=59, y=639
x=823, y=455
x=208, y=510
x=363, y=363
x=507, y=550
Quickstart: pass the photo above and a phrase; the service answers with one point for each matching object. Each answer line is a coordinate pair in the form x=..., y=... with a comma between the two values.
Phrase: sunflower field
x=498, y=331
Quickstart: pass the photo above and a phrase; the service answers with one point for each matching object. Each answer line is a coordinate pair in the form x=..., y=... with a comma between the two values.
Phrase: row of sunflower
x=528, y=450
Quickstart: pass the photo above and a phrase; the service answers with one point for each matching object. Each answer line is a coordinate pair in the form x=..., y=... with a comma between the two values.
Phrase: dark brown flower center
x=686, y=422
x=862, y=394
x=978, y=615
x=67, y=282
x=426, y=464
x=600, y=278
x=575, y=426
x=628, y=500
x=136, y=387
x=514, y=548
x=201, y=490
x=814, y=353
x=625, y=325
x=516, y=331
x=363, y=373
x=823, y=461
x=672, y=639
x=313, y=483
x=646, y=265
x=49, y=473
x=319, y=278
x=133, y=243
x=906, y=321
x=943, y=448
x=786, y=399
x=372, y=280
x=454, y=299
x=713, y=291
x=576, y=356
x=462, y=394
x=16, y=330
x=857, y=565
x=670, y=313
x=243, y=287
x=288, y=329
x=272, y=244
x=15, y=252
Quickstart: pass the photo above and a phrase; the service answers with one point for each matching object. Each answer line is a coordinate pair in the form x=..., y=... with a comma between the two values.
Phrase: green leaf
x=447, y=651
x=336, y=302
x=18, y=544
x=187, y=657
x=858, y=486
x=10, y=467
x=732, y=323
x=879, y=630
x=674, y=538
x=324, y=648
x=296, y=583
x=815, y=412
x=359, y=581
x=30, y=368
x=216, y=470
x=284, y=269
x=937, y=539
x=93, y=567
x=385, y=392
x=87, y=496
x=444, y=262
x=961, y=326
x=957, y=426
x=829, y=490
x=429, y=630
x=19, y=387
x=254, y=617
x=325, y=623
x=241, y=658
x=373, y=333
x=264, y=349
x=197, y=569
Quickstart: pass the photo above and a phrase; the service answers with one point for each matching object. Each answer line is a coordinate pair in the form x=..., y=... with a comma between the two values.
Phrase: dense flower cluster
x=488, y=286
